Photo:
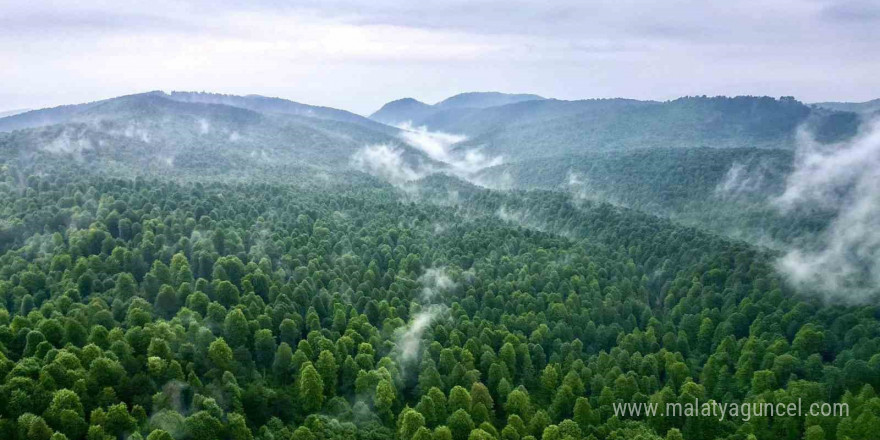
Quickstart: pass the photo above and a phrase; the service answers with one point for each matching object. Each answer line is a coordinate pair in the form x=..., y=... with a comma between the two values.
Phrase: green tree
x=203, y=426
x=408, y=423
x=460, y=424
x=385, y=397
x=66, y=414
x=227, y=294
x=329, y=371
x=235, y=328
x=158, y=434
x=166, y=301
x=220, y=355
x=311, y=389
x=264, y=348
x=236, y=428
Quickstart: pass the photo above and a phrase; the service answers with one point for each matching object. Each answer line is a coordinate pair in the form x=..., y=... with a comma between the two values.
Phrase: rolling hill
x=417, y=113
x=257, y=103
x=184, y=131
x=868, y=107
x=555, y=127
x=203, y=267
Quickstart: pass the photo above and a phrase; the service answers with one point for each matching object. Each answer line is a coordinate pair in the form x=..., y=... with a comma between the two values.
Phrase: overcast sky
x=357, y=55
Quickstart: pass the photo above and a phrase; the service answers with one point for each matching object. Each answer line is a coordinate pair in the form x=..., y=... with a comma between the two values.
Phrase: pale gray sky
x=358, y=55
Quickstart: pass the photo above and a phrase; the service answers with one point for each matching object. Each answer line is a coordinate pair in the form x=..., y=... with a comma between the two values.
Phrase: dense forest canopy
x=197, y=266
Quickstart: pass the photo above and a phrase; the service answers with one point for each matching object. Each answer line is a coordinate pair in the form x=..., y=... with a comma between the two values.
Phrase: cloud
x=434, y=282
x=385, y=161
x=845, y=178
x=440, y=147
x=134, y=130
x=67, y=142
x=307, y=50
x=409, y=342
x=204, y=126
x=390, y=163
x=74, y=20
x=849, y=11
x=580, y=188
x=743, y=178
x=435, y=144
x=531, y=220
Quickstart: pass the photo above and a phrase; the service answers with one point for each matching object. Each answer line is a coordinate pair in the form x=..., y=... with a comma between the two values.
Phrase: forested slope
x=257, y=103
x=542, y=128
x=727, y=190
x=409, y=110
x=204, y=310
x=154, y=133
x=227, y=294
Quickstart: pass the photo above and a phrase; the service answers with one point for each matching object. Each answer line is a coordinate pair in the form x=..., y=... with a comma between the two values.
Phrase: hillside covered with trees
x=228, y=295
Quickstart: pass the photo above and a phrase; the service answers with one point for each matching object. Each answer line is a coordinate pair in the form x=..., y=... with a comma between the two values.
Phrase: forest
x=252, y=288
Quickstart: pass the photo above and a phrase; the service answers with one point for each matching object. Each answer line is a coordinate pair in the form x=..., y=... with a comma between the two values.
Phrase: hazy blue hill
x=141, y=102
x=153, y=131
x=547, y=128
x=871, y=106
x=261, y=104
x=13, y=112
x=266, y=104
x=409, y=110
x=43, y=117
x=663, y=176
x=474, y=122
x=484, y=100
x=152, y=105
x=403, y=110
x=446, y=188
x=726, y=190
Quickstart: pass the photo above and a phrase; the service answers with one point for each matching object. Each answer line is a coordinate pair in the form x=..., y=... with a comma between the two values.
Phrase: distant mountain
x=6, y=113
x=409, y=110
x=871, y=106
x=484, y=100
x=181, y=134
x=265, y=104
x=403, y=110
x=663, y=178
x=43, y=117
x=726, y=190
x=554, y=127
x=262, y=104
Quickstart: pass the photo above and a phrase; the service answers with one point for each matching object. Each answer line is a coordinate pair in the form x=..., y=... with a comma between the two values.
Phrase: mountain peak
x=485, y=99
x=402, y=110
x=411, y=110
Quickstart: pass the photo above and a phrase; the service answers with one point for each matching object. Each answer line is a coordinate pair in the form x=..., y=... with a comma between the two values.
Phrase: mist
x=440, y=147
x=844, y=177
x=390, y=162
x=68, y=142
x=581, y=190
x=409, y=342
x=743, y=178
x=385, y=161
x=435, y=281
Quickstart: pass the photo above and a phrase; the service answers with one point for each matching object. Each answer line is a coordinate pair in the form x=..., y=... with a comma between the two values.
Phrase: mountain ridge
x=152, y=130
x=412, y=111
x=872, y=106
x=65, y=113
